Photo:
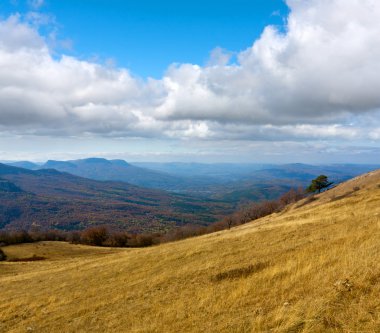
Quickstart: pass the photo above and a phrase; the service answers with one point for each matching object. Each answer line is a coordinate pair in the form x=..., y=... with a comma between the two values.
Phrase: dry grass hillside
x=313, y=268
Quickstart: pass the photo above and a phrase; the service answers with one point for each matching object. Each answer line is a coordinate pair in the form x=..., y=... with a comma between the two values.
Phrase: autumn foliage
x=106, y=236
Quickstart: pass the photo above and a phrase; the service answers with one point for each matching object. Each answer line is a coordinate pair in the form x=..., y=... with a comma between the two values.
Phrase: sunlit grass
x=310, y=269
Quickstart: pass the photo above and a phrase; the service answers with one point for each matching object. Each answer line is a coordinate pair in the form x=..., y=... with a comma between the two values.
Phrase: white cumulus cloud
x=314, y=79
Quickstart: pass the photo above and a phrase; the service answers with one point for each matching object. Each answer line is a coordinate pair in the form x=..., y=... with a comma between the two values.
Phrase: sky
x=204, y=81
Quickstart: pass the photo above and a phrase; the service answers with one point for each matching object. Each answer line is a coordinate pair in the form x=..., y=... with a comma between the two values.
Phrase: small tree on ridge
x=318, y=184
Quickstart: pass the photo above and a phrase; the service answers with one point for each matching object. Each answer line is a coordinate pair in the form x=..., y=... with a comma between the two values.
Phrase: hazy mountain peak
x=53, y=164
x=120, y=163
x=93, y=160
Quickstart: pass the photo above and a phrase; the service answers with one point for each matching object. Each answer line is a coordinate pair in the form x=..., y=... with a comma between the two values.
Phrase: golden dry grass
x=315, y=268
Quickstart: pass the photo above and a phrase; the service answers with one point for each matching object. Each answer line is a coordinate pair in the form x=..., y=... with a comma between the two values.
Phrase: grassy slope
x=311, y=269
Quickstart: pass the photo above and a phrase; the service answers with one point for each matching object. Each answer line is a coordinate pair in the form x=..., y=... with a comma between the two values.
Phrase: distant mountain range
x=102, y=169
x=233, y=183
x=48, y=198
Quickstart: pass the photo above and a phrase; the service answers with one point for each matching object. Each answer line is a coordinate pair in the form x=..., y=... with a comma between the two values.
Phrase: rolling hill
x=311, y=268
x=24, y=164
x=51, y=199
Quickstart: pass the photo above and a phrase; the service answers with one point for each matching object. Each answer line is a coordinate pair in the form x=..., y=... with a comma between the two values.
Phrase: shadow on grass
x=241, y=272
x=34, y=258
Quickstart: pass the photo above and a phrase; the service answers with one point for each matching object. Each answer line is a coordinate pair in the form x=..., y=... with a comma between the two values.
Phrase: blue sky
x=205, y=81
x=146, y=36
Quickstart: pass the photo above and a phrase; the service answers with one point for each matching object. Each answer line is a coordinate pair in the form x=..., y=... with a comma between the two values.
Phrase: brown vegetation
x=105, y=236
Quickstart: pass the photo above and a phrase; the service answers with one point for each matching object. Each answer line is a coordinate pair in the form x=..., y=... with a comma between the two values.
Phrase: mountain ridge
x=234, y=183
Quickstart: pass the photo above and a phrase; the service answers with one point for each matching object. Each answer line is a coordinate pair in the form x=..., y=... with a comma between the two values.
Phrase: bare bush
x=15, y=237
x=117, y=239
x=94, y=236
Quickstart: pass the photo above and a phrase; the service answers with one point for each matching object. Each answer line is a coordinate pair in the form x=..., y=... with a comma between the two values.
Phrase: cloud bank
x=315, y=79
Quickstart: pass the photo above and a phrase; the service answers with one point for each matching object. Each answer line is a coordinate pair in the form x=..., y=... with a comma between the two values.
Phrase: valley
x=51, y=199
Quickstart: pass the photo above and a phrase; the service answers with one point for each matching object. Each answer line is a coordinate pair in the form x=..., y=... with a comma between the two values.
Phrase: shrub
x=94, y=236
x=118, y=239
x=141, y=240
x=292, y=196
x=15, y=237
x=74, y=237
x=2, y=255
